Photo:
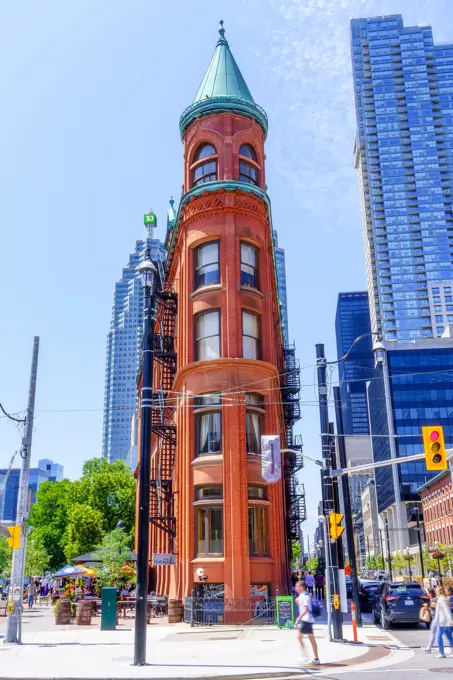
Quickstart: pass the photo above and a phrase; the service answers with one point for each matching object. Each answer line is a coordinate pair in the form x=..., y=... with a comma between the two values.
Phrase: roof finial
x=172, y=201
x=221, y=30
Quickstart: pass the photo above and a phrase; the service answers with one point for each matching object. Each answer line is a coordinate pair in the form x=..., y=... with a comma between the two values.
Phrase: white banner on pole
x=271, y=458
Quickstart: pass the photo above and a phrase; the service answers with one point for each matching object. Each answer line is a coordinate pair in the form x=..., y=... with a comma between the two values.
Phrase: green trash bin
x=108, y=611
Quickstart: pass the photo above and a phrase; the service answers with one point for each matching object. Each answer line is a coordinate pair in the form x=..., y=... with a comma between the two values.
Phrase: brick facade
x=437, y=506
x=232, y=217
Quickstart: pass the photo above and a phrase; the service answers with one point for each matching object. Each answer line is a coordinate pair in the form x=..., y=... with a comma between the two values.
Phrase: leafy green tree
x=37, y=558
x=84, y=530
x=110, y=488
x=49, y=518
x=5, y=558
x=106, y=488
x=312, y=564
x=115, y=550
x=296, y=552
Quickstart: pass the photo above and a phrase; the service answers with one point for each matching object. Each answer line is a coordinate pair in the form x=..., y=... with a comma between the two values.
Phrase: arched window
x=204, y=167
x=248, y=166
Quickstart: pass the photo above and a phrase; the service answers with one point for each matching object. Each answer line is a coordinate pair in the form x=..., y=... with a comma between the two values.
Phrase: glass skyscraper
x=123, y=353
x=281, y=283
x=404, y=152
x=9, y=492
x=353, y=320
x=422, y=394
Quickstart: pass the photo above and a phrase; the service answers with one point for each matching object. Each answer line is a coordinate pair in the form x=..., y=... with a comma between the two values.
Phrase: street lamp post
x=381, y=359
x=408, y=557
x=438, y=555
x=147, y=271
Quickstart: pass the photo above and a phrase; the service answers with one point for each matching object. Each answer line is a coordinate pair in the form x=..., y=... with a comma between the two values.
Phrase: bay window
x=207, y=335
x=258, y=530
x=250, y=335
x=209, y=527
x=208, y=425
x=207, y=266
x=248, y=265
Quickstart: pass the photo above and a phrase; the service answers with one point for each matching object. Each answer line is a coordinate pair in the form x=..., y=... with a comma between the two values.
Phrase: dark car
x=367, y=591
x=398, y=603
x=348, y=586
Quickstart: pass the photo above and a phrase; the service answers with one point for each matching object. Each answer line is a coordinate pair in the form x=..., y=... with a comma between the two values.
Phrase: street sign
x=14, y=541
x=271, y=458
x=163, y=559
x=335, y=519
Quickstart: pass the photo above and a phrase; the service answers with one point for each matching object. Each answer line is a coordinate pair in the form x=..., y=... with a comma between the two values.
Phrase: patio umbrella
x=69, y=570
x=88, y=572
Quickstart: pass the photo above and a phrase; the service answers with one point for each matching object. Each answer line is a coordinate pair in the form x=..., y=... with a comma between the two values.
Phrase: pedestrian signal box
x=14, y=541
x=433, y=441
x=335, y=519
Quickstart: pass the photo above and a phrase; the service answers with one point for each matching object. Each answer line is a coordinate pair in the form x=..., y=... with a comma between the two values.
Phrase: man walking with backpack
x=305, y=620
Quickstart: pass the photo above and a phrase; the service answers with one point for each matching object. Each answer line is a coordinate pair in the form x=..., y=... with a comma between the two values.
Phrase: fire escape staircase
x=294, y=490
x=162, y=511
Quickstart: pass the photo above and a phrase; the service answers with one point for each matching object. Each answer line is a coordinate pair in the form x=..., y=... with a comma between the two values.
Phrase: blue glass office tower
x=8, y=499
x=404, y=152
x=54, y=471
x=422, y=394
x=281, y=284
x=353, y=320
x=123, y=353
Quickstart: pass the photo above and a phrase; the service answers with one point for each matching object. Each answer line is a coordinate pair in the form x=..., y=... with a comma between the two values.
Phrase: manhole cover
x=441, y=670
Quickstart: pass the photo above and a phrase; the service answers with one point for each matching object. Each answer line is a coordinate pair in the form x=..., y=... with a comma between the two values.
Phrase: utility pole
x=16, y=590
x=420, y=547
x=389, y=554
x=147, y=271
x=347, y=506
x=329, y=504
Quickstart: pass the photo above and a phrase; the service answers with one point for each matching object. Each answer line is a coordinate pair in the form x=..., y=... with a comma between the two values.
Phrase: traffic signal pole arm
x=368, y=466
x=385, y=463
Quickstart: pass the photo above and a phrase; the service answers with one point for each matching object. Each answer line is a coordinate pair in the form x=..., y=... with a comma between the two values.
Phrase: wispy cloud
x=306, y=63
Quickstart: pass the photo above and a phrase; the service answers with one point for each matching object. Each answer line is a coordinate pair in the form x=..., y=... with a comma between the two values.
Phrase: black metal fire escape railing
x=162, y=510
x=294, y=490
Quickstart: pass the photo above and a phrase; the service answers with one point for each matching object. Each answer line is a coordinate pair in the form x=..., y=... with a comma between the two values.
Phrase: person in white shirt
x=443, y=619
x=305, y=620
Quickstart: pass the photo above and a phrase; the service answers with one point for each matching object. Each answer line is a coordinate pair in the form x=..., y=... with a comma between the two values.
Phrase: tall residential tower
x=404, y=151
x=123, y=353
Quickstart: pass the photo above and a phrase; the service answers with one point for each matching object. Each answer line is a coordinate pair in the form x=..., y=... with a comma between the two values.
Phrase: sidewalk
x=178, y=651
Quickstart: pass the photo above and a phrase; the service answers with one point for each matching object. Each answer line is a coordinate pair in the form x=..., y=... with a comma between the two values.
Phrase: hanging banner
x=271, y=458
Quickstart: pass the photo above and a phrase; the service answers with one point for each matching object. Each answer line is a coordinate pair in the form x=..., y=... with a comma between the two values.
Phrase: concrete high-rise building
x=370, y=520
x=123, y=352
x=53, y=471
x=353, y=320
x=404, y=151
x=281, y=283
x=213, y=502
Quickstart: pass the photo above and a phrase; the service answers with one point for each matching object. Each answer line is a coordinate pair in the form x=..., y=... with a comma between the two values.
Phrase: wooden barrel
x=175, y=611
x=63, y=612
x=84, y=611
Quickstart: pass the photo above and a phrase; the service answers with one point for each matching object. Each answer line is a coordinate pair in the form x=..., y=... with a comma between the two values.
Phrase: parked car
x=348, y=586
x=396, y=602
x=367, y=591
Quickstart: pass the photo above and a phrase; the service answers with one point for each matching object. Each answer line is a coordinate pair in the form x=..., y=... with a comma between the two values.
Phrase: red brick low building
x=437, y=505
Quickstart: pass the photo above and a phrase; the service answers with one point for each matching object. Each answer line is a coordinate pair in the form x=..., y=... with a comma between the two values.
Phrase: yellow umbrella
x=88, y=572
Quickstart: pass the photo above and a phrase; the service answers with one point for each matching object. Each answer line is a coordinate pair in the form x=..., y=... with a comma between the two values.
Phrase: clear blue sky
x=91, y=98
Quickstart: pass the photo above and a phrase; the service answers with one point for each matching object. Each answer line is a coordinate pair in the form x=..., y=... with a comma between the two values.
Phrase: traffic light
x=14, y=541
x=433, y=441
x=336, y=529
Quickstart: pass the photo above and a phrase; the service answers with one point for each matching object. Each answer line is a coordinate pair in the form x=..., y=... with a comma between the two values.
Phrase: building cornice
x=215, y=105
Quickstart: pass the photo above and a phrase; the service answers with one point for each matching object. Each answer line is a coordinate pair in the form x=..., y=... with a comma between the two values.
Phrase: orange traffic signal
x=435, y=453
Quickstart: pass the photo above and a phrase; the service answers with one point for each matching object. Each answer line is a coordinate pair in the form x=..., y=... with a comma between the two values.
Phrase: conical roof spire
x=223, y=88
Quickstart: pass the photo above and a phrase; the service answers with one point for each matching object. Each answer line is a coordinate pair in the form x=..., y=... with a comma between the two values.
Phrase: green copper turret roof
x=223, y=88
